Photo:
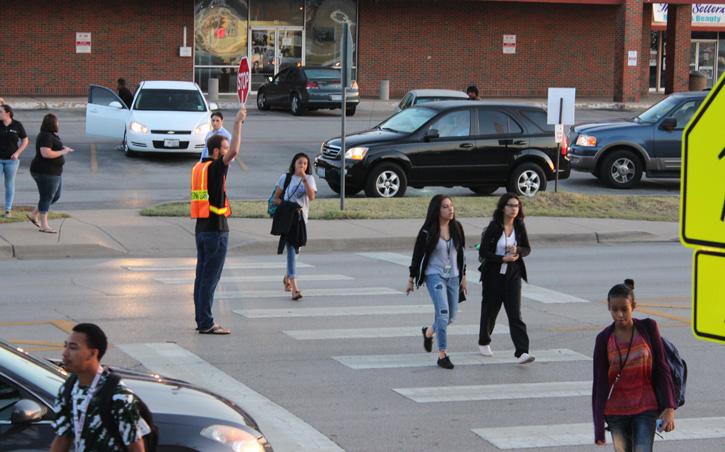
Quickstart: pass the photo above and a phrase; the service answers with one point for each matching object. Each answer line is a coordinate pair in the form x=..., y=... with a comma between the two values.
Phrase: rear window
x=322, y=74
x=169, y=100
x=538, y=118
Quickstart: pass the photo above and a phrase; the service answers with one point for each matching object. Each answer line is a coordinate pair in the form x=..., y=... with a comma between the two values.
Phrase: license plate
x=321, y=172
x=171, y=143
x=337, y=97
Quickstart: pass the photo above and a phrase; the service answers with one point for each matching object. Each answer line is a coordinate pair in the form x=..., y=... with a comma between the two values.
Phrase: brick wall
x=628, y=79
x=137, y=40
x=677, y=53
x=433, y=44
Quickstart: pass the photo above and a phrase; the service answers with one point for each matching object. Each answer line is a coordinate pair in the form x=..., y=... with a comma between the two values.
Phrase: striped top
x=634, y=393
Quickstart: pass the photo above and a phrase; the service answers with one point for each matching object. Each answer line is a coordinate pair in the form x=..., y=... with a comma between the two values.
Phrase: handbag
x=461, y=295
x=271, y=206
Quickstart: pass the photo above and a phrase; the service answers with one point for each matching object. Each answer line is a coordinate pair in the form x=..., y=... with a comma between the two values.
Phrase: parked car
x=423, y=96
x=165, y=116
x=475, y=144
x=189, y=418
x=303, y=88
x=618, y=152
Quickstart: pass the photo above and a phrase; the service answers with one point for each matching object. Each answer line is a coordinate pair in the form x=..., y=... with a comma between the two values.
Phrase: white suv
x=165, y=116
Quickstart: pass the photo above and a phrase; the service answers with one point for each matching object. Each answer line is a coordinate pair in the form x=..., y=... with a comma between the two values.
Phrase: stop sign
x=243, y=81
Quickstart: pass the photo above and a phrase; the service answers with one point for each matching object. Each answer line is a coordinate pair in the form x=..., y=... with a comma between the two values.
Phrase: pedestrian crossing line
x=227, y=266
x=258, y=278
x=335, y=311
x=370, y=333
x=329, y=292
x=285, y=431
x=393, y=258
x=459, y=359
x=497, y=392
x=561, y=435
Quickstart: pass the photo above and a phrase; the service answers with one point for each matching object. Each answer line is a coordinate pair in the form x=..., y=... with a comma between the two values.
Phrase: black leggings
x=503, y=289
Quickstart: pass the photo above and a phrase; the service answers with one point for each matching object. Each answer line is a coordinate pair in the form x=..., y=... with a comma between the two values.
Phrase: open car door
x=106, y=114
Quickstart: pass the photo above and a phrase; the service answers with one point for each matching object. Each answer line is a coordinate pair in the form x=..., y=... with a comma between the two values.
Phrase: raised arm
x=236, y=136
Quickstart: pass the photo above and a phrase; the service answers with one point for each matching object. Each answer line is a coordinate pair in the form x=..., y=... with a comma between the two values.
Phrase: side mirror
x=116, y=104
x=213, y=106
x=668, y=124
x=26, y=411
x=431, y=134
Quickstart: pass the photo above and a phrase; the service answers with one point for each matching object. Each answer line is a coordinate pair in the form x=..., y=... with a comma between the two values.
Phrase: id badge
x=504, y=266
x=447, y=271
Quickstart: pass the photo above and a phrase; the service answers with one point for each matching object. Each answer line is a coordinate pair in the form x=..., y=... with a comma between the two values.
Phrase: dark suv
x=479, y=145
x=619, y=152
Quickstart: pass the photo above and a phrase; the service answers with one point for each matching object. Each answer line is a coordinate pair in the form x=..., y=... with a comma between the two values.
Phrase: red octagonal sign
x=243, y=81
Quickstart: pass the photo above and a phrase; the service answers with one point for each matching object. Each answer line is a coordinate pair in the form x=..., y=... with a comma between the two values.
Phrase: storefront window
x=277, y=12
x=227, y=76
x=323, y=26
x=220, y=31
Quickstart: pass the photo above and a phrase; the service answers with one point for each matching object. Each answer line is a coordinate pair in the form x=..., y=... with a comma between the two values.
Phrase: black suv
x=619, y=152
x=475, y=144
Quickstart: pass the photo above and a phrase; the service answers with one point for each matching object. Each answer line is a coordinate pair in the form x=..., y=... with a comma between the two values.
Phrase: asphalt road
x=306, y=366
x=102, y=177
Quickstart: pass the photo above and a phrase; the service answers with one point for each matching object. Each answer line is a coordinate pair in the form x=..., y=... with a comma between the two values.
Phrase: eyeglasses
x=513, y=206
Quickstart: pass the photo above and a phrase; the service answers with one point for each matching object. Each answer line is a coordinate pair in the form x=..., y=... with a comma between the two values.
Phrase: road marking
x=229, y=266
x=330, y=292
x=370, y=333
x=393, y=258
x=497, y=392
x=63, y=325
x=678, y=318
x=285, y=431
x=258, y=278
x=335, y=311
x=94, y=160
x=561, y=435
x=459, y=359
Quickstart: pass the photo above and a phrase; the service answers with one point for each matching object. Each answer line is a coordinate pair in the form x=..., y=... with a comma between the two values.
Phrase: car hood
x=367, y=137
x=618, y=126
x=170, y=120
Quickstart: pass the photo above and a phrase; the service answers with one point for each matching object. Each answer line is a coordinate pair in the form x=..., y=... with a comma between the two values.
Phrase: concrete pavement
x=125, y=233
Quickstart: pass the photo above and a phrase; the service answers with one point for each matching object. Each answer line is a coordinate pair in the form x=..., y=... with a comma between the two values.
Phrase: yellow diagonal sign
x=702, y=208
x=708, y=313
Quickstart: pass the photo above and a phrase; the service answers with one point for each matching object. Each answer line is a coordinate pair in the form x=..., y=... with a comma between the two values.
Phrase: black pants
x=506, y=289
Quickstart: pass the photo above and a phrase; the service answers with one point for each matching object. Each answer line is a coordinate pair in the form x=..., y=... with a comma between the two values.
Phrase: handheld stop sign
x=243, y=79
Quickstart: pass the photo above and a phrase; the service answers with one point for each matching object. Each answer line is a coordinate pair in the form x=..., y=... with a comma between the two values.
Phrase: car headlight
x=586, y=141
x=138, y=127
x=237, y=439
x=202, y=129
x=356, y=153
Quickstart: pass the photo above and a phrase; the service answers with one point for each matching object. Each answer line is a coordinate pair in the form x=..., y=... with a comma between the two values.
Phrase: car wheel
x=124, y=145
x=296, y=106
x=621, y=169
x=262, y=102
x=483, y=189
x=527, y=180
x=349, y=190
x=386, y=180
x=350, y=110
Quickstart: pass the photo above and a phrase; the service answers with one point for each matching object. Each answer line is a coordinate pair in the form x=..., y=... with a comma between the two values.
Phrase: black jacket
x=425, y=245
x=490, y=261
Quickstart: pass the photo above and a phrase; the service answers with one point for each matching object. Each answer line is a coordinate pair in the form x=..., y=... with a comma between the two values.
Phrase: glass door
x=273, y=49
x=703, y=58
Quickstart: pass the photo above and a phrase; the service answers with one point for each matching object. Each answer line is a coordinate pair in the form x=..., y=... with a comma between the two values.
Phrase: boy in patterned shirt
x=78, y=420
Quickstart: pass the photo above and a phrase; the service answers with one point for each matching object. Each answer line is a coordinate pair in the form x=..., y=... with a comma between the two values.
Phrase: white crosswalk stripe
x=561, y=435
x=369, y=333
x=227, y=266
x=459, y=359
x=259, y=278
x=335, y=292
x=336, y=311
x=497, y=392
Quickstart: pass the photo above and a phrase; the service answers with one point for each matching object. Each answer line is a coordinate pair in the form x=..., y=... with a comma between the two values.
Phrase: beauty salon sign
x=703, y=14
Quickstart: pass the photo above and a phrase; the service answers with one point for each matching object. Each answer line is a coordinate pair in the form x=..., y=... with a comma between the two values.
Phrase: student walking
x=632, y=383
x=217, y=128
x=47, y=170
x=504, y=244
x=13, y=141
x=439, y=262
x=297, y=186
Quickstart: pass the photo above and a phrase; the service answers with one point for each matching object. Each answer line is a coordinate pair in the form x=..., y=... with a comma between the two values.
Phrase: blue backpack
x=678, y=369
x=271, y=206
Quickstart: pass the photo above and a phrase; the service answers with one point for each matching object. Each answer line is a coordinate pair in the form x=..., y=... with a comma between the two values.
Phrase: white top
x=504, y=241
x=296, y=191
x=444, y=255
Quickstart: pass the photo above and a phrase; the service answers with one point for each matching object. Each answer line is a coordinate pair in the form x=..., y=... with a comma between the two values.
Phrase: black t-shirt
x=42, y=165
x=217, y=172
x=10, y=137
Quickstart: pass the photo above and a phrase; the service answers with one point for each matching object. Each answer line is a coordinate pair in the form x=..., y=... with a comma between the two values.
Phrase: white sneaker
x=525, y=358
x=485, y=350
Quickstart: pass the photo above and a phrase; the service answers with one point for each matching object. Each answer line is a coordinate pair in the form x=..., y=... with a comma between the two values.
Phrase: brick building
x=604, y=48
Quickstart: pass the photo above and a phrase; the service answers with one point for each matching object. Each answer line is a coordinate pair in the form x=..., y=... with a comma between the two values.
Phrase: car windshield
x=169, y=100
x=31, y=369
x=323, y=74
x=407, y=120
x=658, y=110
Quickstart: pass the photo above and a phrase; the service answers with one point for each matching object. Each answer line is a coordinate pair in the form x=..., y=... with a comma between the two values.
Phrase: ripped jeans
x=444, y=293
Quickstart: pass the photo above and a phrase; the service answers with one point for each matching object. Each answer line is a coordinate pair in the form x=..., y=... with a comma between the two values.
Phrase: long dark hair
x=49, y=124
x=8, y=110
x=502, y=201
x=294, y=160
x=432, y=222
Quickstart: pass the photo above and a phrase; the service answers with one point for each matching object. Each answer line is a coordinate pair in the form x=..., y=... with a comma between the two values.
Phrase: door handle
x=520, y=142
x=505, y=142
x=466, y=145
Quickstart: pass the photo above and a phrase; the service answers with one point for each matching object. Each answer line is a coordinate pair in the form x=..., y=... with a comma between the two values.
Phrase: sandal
x=215, y=329
x=48, y=230
x=296, y=295
x=286, y=283
x=32, y=220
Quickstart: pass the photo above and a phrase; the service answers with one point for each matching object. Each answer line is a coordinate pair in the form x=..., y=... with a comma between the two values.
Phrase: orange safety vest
x=200, y=206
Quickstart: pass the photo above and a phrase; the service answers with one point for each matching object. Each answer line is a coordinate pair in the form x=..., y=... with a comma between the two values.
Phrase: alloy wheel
x=622, y=170
x=387, y=184
x=529, y=183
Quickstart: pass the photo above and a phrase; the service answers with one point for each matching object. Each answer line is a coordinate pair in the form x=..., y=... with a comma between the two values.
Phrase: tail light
x=312, y=85
x=564, y=145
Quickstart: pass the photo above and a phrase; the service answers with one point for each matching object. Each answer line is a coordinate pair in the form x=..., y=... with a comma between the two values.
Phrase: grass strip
x=19, y=212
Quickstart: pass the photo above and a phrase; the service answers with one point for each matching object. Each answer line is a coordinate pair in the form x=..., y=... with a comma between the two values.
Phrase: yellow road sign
x=702, y=205
x=708, y=313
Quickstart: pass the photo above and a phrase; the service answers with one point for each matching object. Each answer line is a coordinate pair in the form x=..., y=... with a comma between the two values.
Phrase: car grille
x=172, y=132
x=330, y=152
x=159, y=144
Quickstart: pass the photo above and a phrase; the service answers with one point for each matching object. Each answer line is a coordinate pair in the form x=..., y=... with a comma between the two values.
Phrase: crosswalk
x=333, y=318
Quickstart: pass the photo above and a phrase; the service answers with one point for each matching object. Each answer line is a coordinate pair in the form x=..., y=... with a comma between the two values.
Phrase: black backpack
x=678, y=369
x=104, y=397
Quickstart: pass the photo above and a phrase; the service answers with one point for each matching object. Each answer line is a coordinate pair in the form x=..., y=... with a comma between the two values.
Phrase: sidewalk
x=124, y=233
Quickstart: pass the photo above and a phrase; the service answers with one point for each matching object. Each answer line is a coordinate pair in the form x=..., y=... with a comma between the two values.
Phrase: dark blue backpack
x=678, y=369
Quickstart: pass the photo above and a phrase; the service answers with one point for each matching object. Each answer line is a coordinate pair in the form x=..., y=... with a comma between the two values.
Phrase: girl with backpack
x=632, y=384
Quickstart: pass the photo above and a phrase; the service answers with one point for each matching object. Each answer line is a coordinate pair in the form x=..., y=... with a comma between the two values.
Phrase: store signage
x=243, y=81
x=83, y=42
x=509, y=44
x=703, y=14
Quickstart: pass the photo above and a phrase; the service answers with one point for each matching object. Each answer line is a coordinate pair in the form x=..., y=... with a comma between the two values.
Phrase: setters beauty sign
x=703, y=14
x=243, y=81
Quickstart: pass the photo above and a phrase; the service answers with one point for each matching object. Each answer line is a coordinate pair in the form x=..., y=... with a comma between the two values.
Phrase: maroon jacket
x=661, y=376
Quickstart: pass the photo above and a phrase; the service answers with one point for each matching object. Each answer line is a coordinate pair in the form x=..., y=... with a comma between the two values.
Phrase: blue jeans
x=10, y=169
x=633, y=433
x=291, y=261
x=49, y=188
x=211, y=251
x=444, y=293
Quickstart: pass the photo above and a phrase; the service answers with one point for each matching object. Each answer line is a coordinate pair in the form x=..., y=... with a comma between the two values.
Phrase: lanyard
x=621, y=363
x=79, y=413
